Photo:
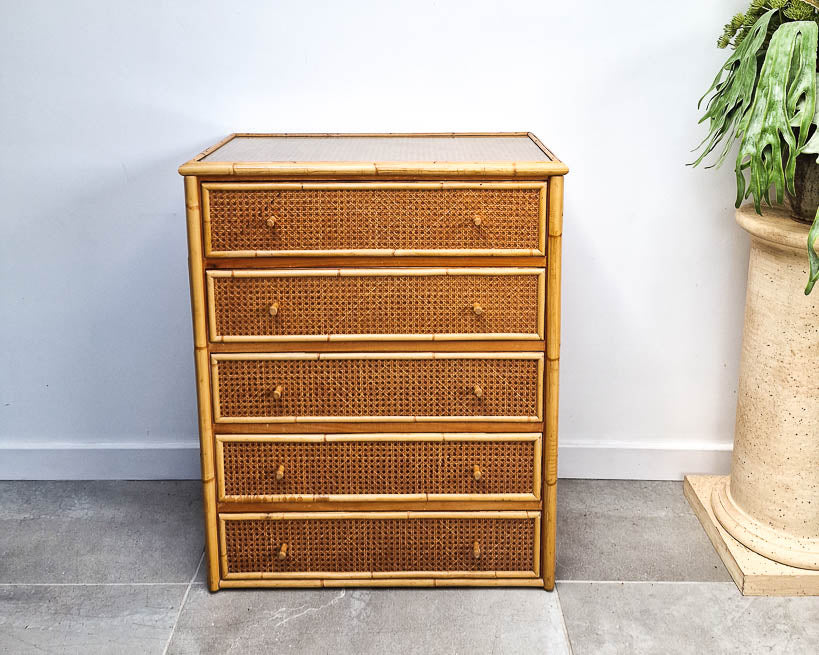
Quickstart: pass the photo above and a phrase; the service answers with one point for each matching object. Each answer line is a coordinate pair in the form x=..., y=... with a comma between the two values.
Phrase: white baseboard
x=641, y=461
x=126, y=461
x=180, y=461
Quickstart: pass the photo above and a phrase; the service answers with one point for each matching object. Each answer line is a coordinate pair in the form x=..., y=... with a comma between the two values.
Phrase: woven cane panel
x=410, y=304
x=381, y=467
x=377, y=387
x=379, y=545
x=365, y=219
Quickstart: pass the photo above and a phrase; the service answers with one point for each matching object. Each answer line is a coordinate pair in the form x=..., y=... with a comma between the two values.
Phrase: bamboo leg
x=550, y=426
x=202, y=377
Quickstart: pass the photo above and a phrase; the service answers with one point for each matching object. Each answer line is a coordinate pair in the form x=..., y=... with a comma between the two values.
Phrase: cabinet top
x=514, y=154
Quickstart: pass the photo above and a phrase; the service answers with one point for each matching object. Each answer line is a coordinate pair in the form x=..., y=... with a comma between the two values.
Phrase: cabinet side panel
x=196, y=270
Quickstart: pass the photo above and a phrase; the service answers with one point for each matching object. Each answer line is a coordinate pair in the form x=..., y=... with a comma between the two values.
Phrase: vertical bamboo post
x=197, y=273
x=552, y=376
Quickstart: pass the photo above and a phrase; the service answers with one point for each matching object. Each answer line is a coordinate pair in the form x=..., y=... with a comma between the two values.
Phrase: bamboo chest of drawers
x=376, y=324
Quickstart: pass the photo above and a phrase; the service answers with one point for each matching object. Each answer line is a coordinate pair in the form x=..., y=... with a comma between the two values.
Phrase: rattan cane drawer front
x=380, y=544
x=407, y=218
x=356, y=304
x=379, y=467
x=289, y=387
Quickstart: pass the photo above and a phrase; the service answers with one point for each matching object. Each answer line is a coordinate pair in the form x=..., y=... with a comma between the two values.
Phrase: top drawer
x=384, y=219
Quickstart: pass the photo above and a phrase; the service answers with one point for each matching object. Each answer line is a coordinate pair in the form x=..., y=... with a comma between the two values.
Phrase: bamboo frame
x=460, y=252
x=371, y=582
x=550, y=428
x=211, y=275
x=202, y=375
x=548, y=177
x=418, y=437
x=218, y=418
x=384, y=576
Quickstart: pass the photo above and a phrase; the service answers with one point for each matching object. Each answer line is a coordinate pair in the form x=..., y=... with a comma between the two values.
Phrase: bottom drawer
x=380, y=545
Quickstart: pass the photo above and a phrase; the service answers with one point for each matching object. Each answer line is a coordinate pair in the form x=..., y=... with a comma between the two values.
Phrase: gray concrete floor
x=116, y=567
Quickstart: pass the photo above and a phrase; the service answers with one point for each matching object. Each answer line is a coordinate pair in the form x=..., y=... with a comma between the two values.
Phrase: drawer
x=360, y=304
x=380, y=544
x=379, y=467
x=455, y=218
x=290, y=387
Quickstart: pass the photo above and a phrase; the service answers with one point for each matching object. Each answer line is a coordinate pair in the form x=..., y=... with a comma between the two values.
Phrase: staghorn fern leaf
x=733, y=95
x=785, y=95
x=813, y=235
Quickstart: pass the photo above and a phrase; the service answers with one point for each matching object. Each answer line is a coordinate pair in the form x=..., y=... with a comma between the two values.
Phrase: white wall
x=99, y=103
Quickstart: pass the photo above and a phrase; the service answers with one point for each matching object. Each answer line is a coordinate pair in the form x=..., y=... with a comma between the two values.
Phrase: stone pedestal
x=770, y=503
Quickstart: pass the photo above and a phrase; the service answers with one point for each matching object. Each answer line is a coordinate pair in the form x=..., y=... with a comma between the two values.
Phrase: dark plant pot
x=806, y=184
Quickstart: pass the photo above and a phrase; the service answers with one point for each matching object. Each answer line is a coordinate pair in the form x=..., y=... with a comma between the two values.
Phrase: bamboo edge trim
x=410, y=514
x=552, y=351
x=195, y=270
x=374, y=272
x=386, y=436
x=524, y=169
x=380, y=575
x=219, y=418
x=371, y=252
x=336, y=338
x=535, y=437
x=377, y=582
x=284, y=516
x=366, y=186
x=371, y=419
x=376, y=498
x=216, y=357
x=386, y=252
x=215, y=336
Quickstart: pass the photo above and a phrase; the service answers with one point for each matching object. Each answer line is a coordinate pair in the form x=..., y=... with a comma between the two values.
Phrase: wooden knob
x=477, y=391
x=476, y=472
x=271, y=222
x=280, y=472
x=274, y=309
x=477, y=221
x=277, y=392
x=476, y=307
x=282, y=551
x=476, y=550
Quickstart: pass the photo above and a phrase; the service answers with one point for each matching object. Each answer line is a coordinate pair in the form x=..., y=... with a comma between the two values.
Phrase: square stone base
x=754, y=574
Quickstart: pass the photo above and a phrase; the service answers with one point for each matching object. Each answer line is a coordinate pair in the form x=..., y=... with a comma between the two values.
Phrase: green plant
x=765, y=97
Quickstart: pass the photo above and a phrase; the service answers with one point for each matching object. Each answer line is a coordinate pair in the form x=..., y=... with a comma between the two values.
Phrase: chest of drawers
x=376, y=324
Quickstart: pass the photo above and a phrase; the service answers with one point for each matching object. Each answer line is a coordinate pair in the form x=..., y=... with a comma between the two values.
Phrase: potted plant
x=764, y=99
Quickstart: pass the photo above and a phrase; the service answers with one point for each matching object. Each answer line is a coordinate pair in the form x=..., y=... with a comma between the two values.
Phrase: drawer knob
x=280, y=472
x=282, y=551
x=274, y=309
x=476, y=550
x=476, y=307
x=277, y=392
x=477, y=391
x=477, y=221
x=476, y=472
x=271, y=222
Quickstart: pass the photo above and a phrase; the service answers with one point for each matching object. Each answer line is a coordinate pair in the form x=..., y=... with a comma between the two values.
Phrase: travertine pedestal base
x=771, y=503
x=769, y=506
x=754, y=574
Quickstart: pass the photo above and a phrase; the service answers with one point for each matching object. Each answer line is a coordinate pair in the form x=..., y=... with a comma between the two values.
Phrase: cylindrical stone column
x=770, y=503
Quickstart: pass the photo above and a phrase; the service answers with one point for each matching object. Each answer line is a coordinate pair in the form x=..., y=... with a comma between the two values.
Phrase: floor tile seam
x=637, y=582
x=563, y=621
x=182, y=603
x=94, y=584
